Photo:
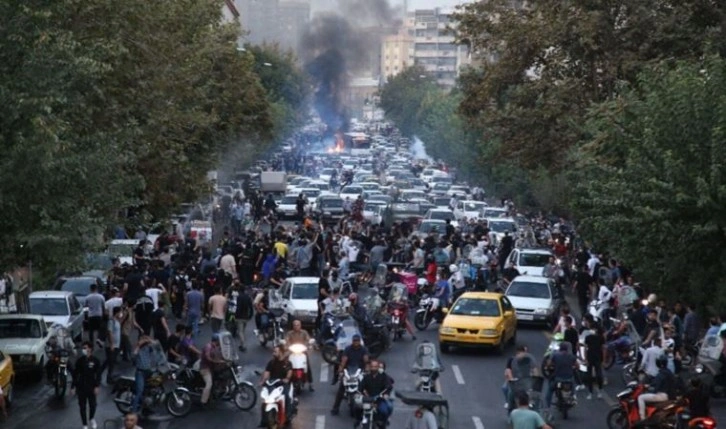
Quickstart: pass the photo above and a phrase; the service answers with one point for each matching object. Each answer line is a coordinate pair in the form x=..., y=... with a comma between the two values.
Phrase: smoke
x=418, y=150
x=339, y=43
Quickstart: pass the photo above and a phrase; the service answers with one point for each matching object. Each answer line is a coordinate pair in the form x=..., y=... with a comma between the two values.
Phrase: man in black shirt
x=594, y=343
x=86, y=382
x=278, y=368
x=143, y=309
x=323, y=292
x=133, y=284
x=581, y=286
x=354, y=356
x=376, y=383
x=564, y=363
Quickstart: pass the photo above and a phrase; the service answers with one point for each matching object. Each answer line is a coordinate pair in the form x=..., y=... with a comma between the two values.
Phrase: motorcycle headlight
x=298, y=348
x=447, y=330
x=488, y=333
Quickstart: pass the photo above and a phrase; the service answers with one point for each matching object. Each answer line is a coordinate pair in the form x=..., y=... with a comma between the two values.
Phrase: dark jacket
x=87, y=374
x=375, y=384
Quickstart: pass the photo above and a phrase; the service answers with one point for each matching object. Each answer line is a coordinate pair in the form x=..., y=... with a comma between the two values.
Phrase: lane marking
x=324, y=369
x=319, y=422
x=477, y=422
x=457, y=374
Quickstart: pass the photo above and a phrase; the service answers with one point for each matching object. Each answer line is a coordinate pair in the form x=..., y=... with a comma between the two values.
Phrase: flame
x=339, y=144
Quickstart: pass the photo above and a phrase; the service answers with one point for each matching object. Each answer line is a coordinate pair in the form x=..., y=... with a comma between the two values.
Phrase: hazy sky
x=428, y=4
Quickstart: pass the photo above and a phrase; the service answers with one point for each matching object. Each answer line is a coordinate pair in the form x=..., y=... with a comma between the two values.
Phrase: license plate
x=525, y=317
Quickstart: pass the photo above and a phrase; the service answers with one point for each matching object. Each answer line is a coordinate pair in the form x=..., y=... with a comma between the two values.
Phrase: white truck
x=273, y=181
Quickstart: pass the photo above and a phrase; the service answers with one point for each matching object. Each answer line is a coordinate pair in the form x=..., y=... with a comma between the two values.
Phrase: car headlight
x=327, y=213
x=542, y=311
x=488, y=333
x=447, y=330
x=27, y=358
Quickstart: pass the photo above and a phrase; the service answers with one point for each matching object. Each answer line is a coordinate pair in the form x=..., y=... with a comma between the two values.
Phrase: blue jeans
x=551, y=388
x=385, y=409
x=193, y=321
x=140, y=379
x=505, y=391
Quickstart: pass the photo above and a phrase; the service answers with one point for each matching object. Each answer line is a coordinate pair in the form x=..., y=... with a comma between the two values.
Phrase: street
x=471, y=383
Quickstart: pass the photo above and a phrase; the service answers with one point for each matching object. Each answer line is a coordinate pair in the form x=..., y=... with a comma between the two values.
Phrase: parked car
x=23, y=337
x=79, y=285
x=59, y=307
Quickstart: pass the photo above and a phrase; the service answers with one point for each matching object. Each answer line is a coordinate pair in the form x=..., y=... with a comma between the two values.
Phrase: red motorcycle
x=625, y=415
x=398, y=310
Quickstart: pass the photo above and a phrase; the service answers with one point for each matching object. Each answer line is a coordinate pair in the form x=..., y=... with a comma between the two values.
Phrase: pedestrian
x=130, y=421
x=161, y=326
x=525, y=418
x=128, y=323
x=96, y=304
x=143, y=310
x=193, y=308
x=243, y=314
x=113, y=343
x=86, y=382
x=217, y=309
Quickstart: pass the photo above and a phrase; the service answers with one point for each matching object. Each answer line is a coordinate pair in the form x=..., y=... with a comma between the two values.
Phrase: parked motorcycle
x=228, y=385
x=425, y=315
x=273, y=398
x=159, y=390
x=59, y=375
x=272, y=330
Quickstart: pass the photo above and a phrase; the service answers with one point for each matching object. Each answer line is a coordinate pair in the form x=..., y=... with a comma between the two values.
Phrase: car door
x=510, y=318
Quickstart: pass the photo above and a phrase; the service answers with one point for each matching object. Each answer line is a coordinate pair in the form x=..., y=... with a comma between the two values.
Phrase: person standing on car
x=86, y=383
x=96, y=304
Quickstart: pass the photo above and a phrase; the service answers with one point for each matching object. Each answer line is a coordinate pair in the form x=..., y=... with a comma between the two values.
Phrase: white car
x=459, y=191
x=372, y=211
x=428, y=175
x=535, y=299
x=351, y=191
x=530, y=262
x=311, y=194
x=411, y=194
x=59, y=307
x=499, y=226
x=298, y=297
x=123, y=250
x=326, y=174
x=23, y=337
x=441, y=214
x=370, y=186
x=493, y=212
x=469, y=209
x=287, y=207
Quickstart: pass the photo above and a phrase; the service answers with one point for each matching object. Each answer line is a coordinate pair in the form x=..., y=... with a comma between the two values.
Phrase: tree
x=655, y=183
x=403, y=95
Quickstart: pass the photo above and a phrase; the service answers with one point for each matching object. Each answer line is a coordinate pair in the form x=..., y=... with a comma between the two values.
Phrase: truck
x=273, y=181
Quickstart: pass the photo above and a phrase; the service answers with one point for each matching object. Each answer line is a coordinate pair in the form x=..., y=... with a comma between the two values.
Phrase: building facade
x=396, y=53
x=274, y=21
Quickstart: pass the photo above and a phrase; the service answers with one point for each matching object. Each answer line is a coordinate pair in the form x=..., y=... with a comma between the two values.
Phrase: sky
x=429, y=4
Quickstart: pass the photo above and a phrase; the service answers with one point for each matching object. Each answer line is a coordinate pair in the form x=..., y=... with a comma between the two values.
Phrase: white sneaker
x=93, y=424
x=589, y=396
x=579, y=387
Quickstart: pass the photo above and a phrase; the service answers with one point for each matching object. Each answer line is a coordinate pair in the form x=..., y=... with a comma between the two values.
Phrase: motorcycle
x=684, y=421
x=565, y=394
x=273, y=398
x=159, y=389
x=398, y=310
x=427, y=366
x=59, y=375
x=228, y=385
x=370, y=411
x=351, y=380
x=337, y=334
x=625, y=414
x=299, y=361
x=425, y=315
x=272, y=330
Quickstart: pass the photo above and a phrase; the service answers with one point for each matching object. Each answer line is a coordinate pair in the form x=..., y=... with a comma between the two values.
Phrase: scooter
x=299, y=361
x=273, y=399
x=425, y=315
x=625, y=413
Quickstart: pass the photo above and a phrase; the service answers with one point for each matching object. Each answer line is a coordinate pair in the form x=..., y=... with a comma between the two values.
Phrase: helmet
x=424, y=282
x=661, y=361
x=559, y=337
x=453, y=268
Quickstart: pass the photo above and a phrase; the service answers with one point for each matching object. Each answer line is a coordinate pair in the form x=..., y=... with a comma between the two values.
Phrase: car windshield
x=476, y=307
x=49, y=306
x=79, y=286
x=470, y=207
x=499, y=226
x=529, y=290
x=371, y=207
x=370, y=186
x=311, y=192
x=20, y=328
x=533, y=259
x=322, y=186
x=116, y=250
x=305, y=291
x=493, y=212
x=443, y=215
x=406, y=209
x=352, y=190
x=288, y=199
x=331, y=203
x=442, y=201
x=432, y=227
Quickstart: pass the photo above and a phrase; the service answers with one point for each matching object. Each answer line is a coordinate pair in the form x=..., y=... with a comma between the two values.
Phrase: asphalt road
x=471, y=383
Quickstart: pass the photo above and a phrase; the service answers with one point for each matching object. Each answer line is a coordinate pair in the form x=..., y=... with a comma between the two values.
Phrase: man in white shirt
x=592, y=263
x=650, y=355
x=114, y=301
x=154, y=293
x=228, y=265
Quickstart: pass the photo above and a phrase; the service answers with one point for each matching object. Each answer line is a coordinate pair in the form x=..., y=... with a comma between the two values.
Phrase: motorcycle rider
x=442, y=291
x=278, y=368
x=354, y=356
x=55, y=346
x=521, y=365
x=211, y=357
x=564, y=365
x=456, y=280
x=663, y=386
x=300, y=336
x=376, y=384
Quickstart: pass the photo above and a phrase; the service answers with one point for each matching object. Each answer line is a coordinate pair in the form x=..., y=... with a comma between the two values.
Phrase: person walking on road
x=242, y=315
x=217, y=309
x=193, y=307
x=96, y=304
x=113, y=343
x=524, y=418
x=86, y=382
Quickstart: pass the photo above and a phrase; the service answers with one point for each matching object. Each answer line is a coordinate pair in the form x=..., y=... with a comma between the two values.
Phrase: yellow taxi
x=7, y=377
x=479, y=319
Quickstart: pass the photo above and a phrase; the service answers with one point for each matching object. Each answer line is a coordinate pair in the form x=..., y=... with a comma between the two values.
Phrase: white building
x=434, y=45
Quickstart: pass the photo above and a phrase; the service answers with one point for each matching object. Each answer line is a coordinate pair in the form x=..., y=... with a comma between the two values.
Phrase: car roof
x=481, y=295
x=536, y=251
x=51, y=294
x=532, y=279
x=295, y=280
x=439, y=209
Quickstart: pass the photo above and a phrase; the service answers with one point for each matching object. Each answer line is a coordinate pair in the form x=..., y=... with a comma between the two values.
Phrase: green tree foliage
x=655, y=188
x=403, y=96
x=553, y=59
x=106, y=105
